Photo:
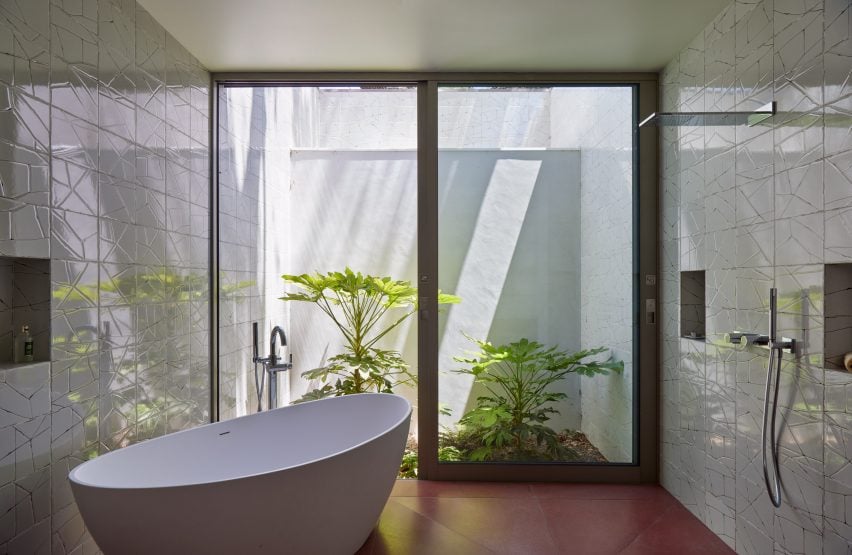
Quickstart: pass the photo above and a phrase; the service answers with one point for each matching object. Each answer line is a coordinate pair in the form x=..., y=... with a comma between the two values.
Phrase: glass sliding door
x=536, y=235
x=509, y=207
x=318, y=180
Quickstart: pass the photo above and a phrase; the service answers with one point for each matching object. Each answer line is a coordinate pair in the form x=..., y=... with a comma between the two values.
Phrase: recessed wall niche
x=692, y=313
x=838, y=314
x=24, y=300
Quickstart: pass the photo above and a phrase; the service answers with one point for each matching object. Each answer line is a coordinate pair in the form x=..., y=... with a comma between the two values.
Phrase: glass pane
x=536, y=238
x=316, y=180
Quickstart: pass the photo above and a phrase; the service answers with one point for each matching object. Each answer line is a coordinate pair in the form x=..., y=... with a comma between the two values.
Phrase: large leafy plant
x=365, y=309
x=509, y=421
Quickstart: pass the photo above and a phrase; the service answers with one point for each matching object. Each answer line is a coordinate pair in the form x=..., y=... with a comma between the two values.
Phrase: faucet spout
x=276, y=331
x=273, y=366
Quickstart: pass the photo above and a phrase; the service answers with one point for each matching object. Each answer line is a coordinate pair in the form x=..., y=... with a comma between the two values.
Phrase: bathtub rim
x=75, y=481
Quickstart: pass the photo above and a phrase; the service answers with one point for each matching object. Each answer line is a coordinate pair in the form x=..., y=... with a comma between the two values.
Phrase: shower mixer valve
x=769, y=430
x=746, y=339
x=743, y=339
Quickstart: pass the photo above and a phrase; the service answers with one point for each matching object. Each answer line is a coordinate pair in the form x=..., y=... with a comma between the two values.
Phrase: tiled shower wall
x=104, y=170
x=754, y=207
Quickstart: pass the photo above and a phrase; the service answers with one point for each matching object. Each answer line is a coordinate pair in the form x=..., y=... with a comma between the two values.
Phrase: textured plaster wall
x=255, y=137
x=509, y=243
x=596, y=121
x=356, y=208
x=755, y=207
x=103, y=170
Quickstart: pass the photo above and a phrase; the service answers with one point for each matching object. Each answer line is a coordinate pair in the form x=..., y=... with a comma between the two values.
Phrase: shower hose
x=773, y=486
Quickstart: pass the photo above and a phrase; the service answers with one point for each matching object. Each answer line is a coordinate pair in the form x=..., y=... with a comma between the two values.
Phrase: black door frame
x=646, y=206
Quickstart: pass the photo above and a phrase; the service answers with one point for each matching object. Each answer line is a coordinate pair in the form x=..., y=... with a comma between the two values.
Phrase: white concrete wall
x=509, y=118
x=509, y=243
x=355, y=208
x=255, y=141
x=597, y=121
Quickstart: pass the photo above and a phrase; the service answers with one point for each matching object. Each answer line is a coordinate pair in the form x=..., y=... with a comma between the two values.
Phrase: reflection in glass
x=536, y=237
x=318, y=184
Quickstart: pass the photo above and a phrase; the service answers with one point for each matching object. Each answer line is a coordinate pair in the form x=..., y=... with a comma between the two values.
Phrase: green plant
x=408, y=466
x=357, y=304
x=509, y=421
x=448, y=453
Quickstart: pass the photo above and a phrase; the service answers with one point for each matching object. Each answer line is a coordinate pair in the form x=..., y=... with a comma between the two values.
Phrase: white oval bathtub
x=308, y=478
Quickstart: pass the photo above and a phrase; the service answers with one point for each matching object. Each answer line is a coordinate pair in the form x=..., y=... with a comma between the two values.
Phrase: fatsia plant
x=510, y=420
x=365, y=309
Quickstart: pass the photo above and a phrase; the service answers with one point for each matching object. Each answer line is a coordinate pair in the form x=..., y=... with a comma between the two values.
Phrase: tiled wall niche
x=24, y=300
x=692, y=313
x=838, y=315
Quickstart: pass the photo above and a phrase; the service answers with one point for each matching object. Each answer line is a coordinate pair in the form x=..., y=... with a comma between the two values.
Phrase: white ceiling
x=426, y=35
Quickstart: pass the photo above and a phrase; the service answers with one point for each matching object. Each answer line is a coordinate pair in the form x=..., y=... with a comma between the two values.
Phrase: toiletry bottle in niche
x=24, y=346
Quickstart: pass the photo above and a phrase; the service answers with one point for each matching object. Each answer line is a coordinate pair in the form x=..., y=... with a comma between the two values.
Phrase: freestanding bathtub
x=304, y=479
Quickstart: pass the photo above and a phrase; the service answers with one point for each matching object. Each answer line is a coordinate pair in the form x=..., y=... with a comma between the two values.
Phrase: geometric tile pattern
x=789, y=212
x=83, y=180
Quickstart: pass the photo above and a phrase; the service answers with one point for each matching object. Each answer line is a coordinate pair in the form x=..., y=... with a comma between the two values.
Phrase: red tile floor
x=475, y=517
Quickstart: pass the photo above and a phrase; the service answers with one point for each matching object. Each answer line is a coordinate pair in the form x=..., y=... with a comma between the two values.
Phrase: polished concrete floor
x=527, y=519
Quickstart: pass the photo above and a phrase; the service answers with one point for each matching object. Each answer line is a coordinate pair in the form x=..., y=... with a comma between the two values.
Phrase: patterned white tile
x=792, y=198
x=799, y=240
x=838, y=235
x=83, y=81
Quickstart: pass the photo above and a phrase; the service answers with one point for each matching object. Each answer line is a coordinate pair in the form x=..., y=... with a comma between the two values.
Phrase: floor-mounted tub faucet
x=274, y=366
x=271, y=365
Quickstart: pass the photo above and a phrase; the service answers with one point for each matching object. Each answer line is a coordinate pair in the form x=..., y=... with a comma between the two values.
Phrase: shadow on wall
x=509, y=244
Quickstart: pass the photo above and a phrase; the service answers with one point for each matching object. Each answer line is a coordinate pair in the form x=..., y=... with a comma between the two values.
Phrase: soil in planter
x=580, y=444
x=575, y=442
x=577, y=446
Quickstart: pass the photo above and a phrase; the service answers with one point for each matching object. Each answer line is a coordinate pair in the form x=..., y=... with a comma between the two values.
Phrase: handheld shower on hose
x=776, y=349
x=259, y=380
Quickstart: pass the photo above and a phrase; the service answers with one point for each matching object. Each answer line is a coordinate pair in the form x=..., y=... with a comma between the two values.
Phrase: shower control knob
x=733, y=337
x=749, y=339
x=762, y=340
x=738, y=338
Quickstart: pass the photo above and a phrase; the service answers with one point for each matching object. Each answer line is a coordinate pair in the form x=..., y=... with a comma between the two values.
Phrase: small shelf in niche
x=24, y=300
x=838, y=315
x=692, y=312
